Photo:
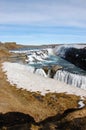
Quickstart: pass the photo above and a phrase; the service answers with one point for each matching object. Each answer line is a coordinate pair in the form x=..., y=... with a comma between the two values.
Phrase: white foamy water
x=35, y=56
x=30, y=51
x=23, y=77
x=72, y=79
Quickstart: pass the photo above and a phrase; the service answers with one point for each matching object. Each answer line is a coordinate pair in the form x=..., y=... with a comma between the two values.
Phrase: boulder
x=50, y=71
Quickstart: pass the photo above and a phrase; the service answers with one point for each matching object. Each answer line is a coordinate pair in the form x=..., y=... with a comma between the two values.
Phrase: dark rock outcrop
x=75, y=56
x=50, y=71
x=21, y=121
x=15, y=118
x=59, y=122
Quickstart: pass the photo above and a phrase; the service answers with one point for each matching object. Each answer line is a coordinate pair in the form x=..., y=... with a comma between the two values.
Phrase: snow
x=24, y=77
x=81, y=104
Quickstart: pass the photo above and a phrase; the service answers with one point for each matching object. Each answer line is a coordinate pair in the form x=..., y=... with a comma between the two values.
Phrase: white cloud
x=53, y=12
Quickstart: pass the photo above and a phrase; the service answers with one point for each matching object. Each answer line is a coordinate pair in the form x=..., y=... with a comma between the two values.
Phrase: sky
x=43, y=21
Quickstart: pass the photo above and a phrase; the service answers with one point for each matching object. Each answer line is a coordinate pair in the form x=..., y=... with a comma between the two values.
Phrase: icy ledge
x=24, y=77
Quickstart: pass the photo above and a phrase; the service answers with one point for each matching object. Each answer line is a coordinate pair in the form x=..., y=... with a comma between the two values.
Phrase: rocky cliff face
x=77, y=57
x=74, y=55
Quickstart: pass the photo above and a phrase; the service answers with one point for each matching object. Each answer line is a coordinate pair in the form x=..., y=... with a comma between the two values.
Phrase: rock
x=56, y=67
x=50, y=71
x=15, y=118
x=46, y=69
x=75, y=55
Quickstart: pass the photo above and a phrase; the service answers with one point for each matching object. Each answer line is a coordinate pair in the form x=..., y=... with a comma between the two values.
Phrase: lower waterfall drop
x=70, y=78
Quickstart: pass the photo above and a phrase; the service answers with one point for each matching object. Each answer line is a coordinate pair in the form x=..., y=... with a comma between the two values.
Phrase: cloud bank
x=43, y=21
x=38, y=12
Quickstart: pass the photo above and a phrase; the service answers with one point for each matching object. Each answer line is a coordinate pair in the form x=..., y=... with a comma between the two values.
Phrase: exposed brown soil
x=10, y=45
x=50, y=112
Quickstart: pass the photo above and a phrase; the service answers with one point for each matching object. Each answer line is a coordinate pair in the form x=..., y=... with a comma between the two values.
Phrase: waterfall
x=40, y=72
x=72, y=79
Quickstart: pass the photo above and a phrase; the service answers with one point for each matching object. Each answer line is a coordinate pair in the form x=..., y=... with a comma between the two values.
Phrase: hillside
x=22, y=109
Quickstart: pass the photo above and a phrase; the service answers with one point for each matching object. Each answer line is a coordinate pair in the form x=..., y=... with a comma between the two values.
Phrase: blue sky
x=43, y=21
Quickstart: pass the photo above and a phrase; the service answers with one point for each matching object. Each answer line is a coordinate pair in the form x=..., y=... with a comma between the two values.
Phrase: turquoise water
x=56, y=60
x=53, y=60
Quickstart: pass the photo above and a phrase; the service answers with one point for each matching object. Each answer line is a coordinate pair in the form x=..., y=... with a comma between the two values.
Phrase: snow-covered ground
x=23, y=77
x=81, y=104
